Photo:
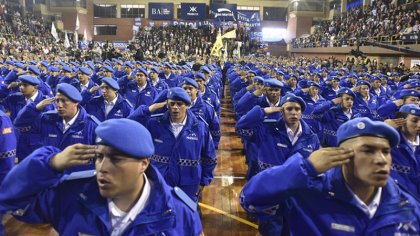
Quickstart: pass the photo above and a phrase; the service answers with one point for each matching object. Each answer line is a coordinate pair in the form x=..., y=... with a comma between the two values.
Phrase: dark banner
x=161, y=11
x=193, y=11
x=410, y=37
x=223, y=12
x=249, y=18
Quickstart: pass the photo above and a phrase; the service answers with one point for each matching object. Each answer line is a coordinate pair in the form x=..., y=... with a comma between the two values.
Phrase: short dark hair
x=399, y=114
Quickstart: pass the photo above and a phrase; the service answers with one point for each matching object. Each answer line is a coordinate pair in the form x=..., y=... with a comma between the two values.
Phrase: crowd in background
x=371, y=22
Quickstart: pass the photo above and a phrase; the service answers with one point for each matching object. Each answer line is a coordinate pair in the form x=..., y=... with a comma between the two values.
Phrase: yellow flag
x=215, y=51
x=230, y=35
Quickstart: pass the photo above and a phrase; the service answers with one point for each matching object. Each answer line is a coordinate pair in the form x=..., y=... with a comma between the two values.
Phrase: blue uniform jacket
x=130, y=90
x=121, y=109
x=186, y=161
x=406, y=166
x=331, y=117
x=7, y=146
x=160, y=85
x=205, y=112
x=48, y=127
x=322, y=204
x=271, y=137
x=75, y=207
x=387, y=110
x=369, y=108
x=328, y=92
x=27, y=141
x=52, y=81
x=211, y=98
x=171, y=81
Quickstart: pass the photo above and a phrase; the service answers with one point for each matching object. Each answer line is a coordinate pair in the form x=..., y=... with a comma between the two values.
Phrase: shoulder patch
x=157, y=115
x=95, y=119
x=208, y=103
x=270, y=121
x=203, y=120
x=185, y=198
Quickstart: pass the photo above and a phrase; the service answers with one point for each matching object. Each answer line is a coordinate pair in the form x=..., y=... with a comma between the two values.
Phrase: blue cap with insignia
x=53, y=69
x=273, y=83
x=205, y=69
x=290, y=97
x=179, y=94
x=34, y=70
x=200, y=76
x=67, y=69
x=20, y=65
x=363, y=82
x=345, y=91
x=408, y=92
x=85, y=70
x=187, y=80
x=258, y=79
x=29, y=79
x=111, y=83
x=114, y=133
x=161, y=97
x=107, y=68
x=312, y=83
x=69, y=91
x=410, y=109
x=141, y=70
x=366, y=127
x=154, y=69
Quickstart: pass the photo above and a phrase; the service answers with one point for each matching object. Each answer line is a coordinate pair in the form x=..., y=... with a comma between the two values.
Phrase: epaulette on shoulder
x=270, y=121
x=92, y=117
x=79, y=175
x=50, y=113
x=185, y=198
x=208, y=103
x=97, y=97
x=17, y=94
x=157, y=115
x=203, y=120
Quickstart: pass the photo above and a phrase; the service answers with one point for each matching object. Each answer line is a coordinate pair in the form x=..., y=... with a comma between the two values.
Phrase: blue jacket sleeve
x=385, y=110
x=27, y=189
x=248, y=126
x=246, y=103
x=320, y=110
x=28, y=116
x=264, y=193
x=141, y=114
x=208, y=159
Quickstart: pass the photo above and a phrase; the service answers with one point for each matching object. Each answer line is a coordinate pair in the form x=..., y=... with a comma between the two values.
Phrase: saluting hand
x=326, y=158
x=338, y=100
x=12, y=85
x=40, y=106
x=94, y=89
x=396, y=123
x=74, y=155
x=271, y=110
x=156, y=106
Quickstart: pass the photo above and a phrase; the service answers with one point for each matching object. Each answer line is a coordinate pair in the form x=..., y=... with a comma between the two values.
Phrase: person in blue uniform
x=67, y=125
x=168, y=77
x=128, y=196
x=277, y=141
x=43, y=87
x=29, y=93
x=8, y=147
x=110, y=105
x=365, y=102
x=207, y=94
x=345, y=190
x=406, y=96
x=156, y=82
x=406, y=156
x=184, y=151
x=332, y=114
x=85, y=85
x=202, y=110
x=137, y=91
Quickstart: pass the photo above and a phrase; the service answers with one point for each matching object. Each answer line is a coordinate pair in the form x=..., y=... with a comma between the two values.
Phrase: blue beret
x=411, y=109
x=409, y=92
x=29, y=79
x=363, y=82
x=273, y=83
x=200, y=76
x=186, y=67
x=415, y=84
x=53, y=69
x=114, y=133
x=44, y=63
x=119, y=62
x=155, y=69
x=331, y=78
x=75, y=63
x=9, y=62
x=107, y=68
x=20, y=65
x=85, y=70
x=34, y=69
x=367, y=127
x=67, y=69
x=205, y=69
x=128, y=64
x=167, y=64
x=258, y=79
x=290, y=97
x=33, y=62
x=141, y=70
x=373, y=78
x=179, y=94
x=69, y=91
x=161, y=97
x=290, y=76
x=187, y=80
x=111, y=83
x=312, y=83
x=346, y=91
x=395, y=74
x=252, y=72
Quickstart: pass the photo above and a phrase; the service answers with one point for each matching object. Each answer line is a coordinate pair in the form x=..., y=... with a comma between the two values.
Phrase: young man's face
x=273, y=94
x=191, y=91
x=66, y=108
x=371, y=164
x=411, y=100
x=177, y=110
x=117, y=174
x=292, y=112
x=26, y=89
x=412, y=125
x=364, y=90
x=347, y=101
x=141, y=78
x=313, y=91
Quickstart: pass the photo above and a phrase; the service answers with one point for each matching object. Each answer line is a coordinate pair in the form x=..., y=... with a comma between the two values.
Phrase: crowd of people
x=123, y=142
x=370, y=22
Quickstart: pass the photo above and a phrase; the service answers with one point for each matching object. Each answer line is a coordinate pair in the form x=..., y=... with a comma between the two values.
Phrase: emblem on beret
x=288, y=98
x=413, y=111
x=360, y=125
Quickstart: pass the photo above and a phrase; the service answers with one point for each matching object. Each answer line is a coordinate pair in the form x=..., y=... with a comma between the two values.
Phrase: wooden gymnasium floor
x=221, y=213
